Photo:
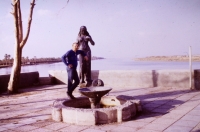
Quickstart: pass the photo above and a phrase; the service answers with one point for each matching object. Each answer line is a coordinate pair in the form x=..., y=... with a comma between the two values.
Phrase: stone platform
x=166, y=109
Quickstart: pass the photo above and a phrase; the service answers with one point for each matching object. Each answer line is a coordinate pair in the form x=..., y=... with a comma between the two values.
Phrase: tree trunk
x=13, y=84
x=14, y=81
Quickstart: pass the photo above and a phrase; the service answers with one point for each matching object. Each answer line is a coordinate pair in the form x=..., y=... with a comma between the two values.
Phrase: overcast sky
x=120, y=28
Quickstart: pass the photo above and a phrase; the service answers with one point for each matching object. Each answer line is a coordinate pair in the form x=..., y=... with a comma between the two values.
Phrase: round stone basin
x=94, y=92
x=77, y=111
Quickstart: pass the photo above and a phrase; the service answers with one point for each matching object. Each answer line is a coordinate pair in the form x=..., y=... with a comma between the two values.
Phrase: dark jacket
x=71, y=57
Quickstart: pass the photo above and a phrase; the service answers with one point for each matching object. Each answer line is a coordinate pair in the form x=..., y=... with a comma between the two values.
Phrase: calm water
x=108, y=64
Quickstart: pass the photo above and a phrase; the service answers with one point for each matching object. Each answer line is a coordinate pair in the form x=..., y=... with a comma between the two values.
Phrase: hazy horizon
x=120, y=28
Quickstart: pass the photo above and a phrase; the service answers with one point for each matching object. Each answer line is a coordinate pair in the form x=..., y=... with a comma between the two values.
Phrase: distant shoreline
x=178, y=58
x=5, y=66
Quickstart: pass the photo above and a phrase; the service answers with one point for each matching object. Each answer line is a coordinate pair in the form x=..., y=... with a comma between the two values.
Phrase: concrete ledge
x=26, y=80
x=46, y=80
x=138, y=79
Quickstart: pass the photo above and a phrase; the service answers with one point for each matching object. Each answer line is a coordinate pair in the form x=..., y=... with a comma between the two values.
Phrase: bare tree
x=13, y=84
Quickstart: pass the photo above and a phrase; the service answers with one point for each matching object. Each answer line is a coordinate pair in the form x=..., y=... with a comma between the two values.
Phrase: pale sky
x=120, y=28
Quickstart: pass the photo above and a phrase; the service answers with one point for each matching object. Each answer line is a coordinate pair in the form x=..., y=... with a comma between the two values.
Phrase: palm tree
x=35, y=59
x=22, y=60
x=27, y=60
x=6, y=57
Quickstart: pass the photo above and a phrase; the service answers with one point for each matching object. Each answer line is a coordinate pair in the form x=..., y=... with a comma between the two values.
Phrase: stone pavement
x=164, y=109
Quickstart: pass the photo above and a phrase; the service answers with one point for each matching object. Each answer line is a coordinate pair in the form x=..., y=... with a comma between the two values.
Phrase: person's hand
x=86, y=58
x=70, y=65
x=87, y=38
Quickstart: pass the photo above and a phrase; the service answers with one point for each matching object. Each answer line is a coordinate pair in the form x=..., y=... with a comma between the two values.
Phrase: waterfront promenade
x=164, y=109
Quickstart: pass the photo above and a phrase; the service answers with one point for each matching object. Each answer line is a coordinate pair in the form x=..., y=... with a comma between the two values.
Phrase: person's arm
x=65, y=58
x=89, y=38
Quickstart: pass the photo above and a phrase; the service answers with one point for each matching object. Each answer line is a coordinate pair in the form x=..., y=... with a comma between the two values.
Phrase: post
x=190, y=66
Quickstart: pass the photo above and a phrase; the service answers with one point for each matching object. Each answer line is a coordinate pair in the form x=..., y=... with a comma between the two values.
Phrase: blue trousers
x=73, y=79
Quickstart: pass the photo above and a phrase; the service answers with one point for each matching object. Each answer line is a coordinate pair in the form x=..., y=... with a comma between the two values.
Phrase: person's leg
x=76, y=80
x=70, y=80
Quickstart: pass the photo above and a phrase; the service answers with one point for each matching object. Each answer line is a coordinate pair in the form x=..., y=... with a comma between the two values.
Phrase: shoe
x=70, y=95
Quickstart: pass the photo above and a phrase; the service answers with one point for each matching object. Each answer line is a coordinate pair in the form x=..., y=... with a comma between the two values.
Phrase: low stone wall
x=26, y=80
x=138, y=79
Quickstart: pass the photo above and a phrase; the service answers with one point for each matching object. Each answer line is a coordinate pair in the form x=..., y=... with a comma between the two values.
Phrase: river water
x=108, y=64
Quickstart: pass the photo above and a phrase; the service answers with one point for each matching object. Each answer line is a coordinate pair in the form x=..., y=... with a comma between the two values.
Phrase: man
x=70, y=60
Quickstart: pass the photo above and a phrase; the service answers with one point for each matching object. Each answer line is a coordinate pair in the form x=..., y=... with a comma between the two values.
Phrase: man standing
x=70, y=60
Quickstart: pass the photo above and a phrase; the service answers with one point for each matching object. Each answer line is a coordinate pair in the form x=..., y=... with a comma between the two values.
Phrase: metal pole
x=190, y=65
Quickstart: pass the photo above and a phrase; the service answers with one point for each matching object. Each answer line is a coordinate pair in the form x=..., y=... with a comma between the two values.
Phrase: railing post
x=190, y=66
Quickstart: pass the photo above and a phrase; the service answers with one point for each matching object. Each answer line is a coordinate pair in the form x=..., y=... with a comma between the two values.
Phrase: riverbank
x=4, y=66
x=46, y=62
x=169, y=58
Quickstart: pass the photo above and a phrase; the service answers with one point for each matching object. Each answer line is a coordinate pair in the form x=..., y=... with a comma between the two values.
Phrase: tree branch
x=20, y=21
x=29, y=25
x=16, y=23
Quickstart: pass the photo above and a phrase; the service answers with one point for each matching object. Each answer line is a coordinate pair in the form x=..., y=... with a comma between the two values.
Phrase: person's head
x=83, y=31
x=75, y=46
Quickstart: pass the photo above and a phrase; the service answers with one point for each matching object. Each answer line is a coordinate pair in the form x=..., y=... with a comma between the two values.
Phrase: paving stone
x=149, y=108
x=25, y=128
x=187, y=123
x=147, y=100
x=92, y=130
x=174, y=128
x=183, y=108
x=145, y=119
x=3, y=129
x=191, y=118
x=183, y=98
x=156, y=127
x=151, y=105
x=191, y=104
x=194, y=112
x=43, y=117
x=161, y=102
x=56, y=126
x=159, y=110
x=179, y=111
x=173, y=116
x=73, y=128
x=174, y=103
x=167, y=121
x=41, y=123
x=146, y=130
x=107, y=127
x=8, y=130
x=27, y=121
x=165, y=106
x=12, y=125
x=197, y=107
x=41, y=130
x=123, y=129
x=134, y=124
x=196, y=129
